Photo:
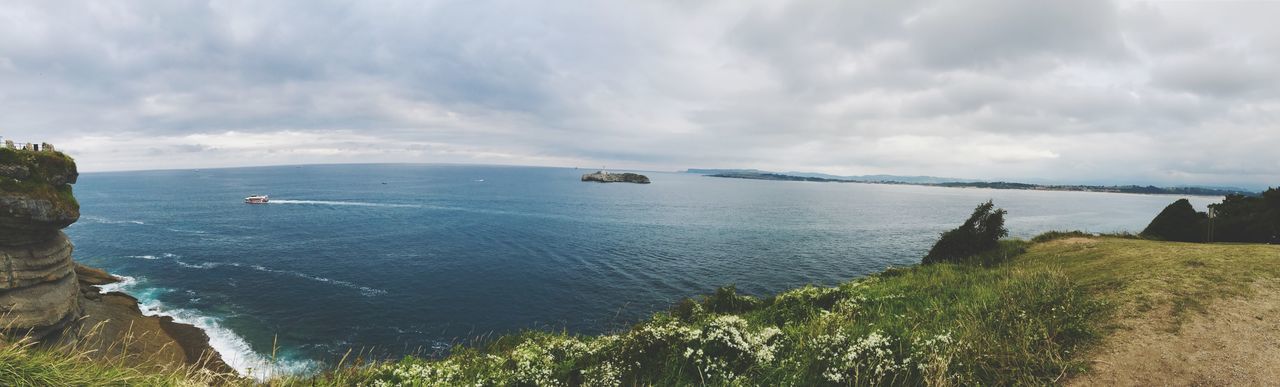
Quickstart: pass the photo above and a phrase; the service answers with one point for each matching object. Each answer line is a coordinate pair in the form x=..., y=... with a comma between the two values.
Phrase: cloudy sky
x=1168, y=92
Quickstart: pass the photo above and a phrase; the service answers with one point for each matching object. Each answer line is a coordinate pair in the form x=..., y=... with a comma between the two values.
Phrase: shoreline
x=116, y=315
x=199, y=333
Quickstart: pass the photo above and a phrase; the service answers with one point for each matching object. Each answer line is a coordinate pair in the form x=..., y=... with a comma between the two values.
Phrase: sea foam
x=233, y=348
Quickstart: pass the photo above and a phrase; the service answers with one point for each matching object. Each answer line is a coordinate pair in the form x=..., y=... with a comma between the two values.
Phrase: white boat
x=257, y=199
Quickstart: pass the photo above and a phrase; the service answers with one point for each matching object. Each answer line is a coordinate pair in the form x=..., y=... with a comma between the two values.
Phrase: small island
x=606, y=177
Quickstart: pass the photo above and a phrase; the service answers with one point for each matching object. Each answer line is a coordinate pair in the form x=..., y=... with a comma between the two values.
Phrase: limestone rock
x=33, y=264
x=42, y=305
x=94, y=276
x=24, y=212
x=18, y=172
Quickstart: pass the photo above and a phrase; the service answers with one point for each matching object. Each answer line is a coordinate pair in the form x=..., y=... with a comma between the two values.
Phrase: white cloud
x=1083, y=91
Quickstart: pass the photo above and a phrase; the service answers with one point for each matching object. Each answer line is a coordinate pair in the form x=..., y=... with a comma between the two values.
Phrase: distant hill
x=824, y=176
x=709, y=171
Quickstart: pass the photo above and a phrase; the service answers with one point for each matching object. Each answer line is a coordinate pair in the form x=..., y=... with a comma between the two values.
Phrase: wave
x=365, y=290
x=126, y=282
x=233, y=348
x=342, y=203
x=187, y=231
x=98, y=219
x=201, y=265
x=152, y=257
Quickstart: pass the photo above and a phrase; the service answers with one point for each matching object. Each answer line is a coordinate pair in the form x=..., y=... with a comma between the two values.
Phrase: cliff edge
x=47, y=297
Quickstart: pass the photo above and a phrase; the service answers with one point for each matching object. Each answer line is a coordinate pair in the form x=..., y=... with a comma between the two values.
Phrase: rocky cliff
x=38, y=289
x=46, y=296
x=606, y=177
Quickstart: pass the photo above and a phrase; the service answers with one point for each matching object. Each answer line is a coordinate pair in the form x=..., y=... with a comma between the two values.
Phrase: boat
x=257, y=199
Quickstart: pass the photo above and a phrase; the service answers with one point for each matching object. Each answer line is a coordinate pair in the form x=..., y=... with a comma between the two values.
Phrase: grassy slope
x=1170, y=277
x=1029, y=320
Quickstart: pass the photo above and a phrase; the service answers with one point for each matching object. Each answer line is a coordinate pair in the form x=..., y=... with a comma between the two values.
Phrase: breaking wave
x=233, y=348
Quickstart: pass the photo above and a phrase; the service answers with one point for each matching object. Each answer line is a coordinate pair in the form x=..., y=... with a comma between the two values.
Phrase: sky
x=1081, y=91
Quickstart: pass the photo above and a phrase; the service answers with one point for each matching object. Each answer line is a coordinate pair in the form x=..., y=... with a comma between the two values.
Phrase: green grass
x=1175, y=278
x=1027, y=313
x=22, y=365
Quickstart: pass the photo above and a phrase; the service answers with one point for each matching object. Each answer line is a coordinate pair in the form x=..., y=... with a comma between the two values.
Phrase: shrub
x=1248, y=219
x=727, y=301
x=687, y=310
x=981, y=232
x=1001, y=253
x=1179, y=222
x=1056, y=235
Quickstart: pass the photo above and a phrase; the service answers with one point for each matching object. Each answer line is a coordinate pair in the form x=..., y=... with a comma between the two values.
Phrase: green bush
x=1248, y=219
x=1003, y=252
x=1056, y=235
x=981, y=232
x=1179, y=222
x=726, y=300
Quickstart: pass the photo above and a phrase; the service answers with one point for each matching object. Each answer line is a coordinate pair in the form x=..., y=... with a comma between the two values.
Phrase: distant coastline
x=942, y=182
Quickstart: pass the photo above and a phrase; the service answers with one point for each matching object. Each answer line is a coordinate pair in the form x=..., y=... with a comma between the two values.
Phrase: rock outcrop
x=606, y=177
x=47, y=297
x=112, y=325
x=39, y=293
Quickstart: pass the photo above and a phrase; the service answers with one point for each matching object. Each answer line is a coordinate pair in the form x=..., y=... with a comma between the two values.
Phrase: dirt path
x=1236, y=343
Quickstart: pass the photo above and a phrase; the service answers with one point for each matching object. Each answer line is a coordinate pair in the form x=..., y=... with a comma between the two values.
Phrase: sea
x=390, y=260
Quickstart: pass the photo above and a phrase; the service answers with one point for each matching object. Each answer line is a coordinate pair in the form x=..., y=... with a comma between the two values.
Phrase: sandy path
x=1236, y=343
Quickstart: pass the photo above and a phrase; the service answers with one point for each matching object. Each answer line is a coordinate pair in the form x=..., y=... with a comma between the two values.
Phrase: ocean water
x=403, y=259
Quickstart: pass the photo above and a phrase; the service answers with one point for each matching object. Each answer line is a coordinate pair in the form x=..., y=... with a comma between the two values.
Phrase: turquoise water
x=397, y=259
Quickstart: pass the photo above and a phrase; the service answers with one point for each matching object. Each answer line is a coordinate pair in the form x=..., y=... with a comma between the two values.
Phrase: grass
x=24, y=362
x=1027, y=313
x=1140, y=276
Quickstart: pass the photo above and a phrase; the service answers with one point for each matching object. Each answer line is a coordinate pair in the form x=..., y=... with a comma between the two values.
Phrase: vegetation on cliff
x=39, y=175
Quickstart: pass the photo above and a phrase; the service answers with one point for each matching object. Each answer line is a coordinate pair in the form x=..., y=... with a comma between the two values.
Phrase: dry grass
x=1140, y=276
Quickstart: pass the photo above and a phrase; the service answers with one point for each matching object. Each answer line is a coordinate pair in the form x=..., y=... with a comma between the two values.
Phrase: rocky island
x=606, y=177
x=50, y=299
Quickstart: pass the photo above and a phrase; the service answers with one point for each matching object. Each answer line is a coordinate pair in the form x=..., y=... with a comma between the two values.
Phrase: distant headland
x=753, y=174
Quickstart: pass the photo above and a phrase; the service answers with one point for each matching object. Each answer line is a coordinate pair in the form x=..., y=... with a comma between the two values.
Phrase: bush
x=1049, y=236
x=1248, y=219
x=1004, y=250
x=727, y=301
x=1179, y=222
x=980, y=233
